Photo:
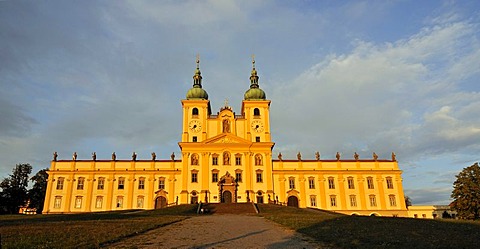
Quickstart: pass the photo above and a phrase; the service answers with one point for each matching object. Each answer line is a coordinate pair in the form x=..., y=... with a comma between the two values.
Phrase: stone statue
x=226, y=125
x=280, y=156
x=355, y=156
x=172, y=156
x=74, y=157
x=226, y=158
x=375, y=156
x=337, y=156
x=55, y=155
x=317, y=156
x=94, y=156
x=394, y=157
x=134, y=156
x=194, y=159
x=258, y=159
x=154, y=156
x=299, y=156
x=114, y=157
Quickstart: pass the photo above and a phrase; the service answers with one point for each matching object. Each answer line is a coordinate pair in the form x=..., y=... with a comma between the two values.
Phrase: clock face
x=195, y=126
x=257, y=126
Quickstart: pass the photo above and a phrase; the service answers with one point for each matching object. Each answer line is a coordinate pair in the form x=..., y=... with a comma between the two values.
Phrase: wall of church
x=345, y=186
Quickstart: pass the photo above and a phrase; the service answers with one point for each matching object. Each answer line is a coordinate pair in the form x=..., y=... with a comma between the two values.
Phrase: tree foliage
x=14, y=189
x=37, y=193
x=466, y=193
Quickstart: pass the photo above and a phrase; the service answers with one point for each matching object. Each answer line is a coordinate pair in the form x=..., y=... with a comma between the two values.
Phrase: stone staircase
x=228, y=208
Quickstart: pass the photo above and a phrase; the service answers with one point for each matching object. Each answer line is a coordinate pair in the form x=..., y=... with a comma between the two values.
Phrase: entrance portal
x=292, y=201
x=227, y=197
x=160, y=202
x=227, y=188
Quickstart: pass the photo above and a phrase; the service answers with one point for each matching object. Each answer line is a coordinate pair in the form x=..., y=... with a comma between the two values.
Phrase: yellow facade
x=226, y=157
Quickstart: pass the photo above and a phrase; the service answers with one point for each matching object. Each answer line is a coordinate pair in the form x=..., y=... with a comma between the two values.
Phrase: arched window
x=195, y=111
x=256, y=112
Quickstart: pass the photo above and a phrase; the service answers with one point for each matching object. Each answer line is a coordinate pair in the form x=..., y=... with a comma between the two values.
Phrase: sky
x=347, y=76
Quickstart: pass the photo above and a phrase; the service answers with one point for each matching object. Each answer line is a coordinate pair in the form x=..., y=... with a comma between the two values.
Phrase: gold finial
x=253, y=60
x=198, y=61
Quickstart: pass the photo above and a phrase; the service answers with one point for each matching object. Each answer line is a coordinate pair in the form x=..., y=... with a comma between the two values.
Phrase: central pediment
x=226, y=138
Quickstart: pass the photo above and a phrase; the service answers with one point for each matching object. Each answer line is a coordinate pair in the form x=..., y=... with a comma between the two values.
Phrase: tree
x=466, y=193
x=408, y=201
x=37, y=192
x=14, y=188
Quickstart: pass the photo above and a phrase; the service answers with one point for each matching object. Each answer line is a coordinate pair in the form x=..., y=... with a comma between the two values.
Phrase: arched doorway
x=292, y=201
x=160, y=202
x=227, y=197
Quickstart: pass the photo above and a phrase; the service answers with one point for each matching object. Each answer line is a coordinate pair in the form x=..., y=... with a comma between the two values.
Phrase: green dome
x=255, y=94
x=196, y=92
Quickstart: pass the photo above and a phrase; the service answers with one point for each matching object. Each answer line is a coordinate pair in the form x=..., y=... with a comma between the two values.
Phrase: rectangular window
x=80, y=183
x=238, y=160
x=393, y=201
x=389, y=183
x=311, y=183
x=140, y=202
x=194, y=138
x=313, y=201
x=101, y=183
x=291, y=183
x=370, y=183
x=215, y=160
x=333, y=201
x=161, y=183
x=351, y=184
x=238, y=177
x=121, y=183
x=194, y=177
x=58, y=202
x=259, y=177
x=353, y=201
x=214, y=177
x=78, y=202
x=119, y=201
x=99, y=202
x=373, y=201
x=60, y=183
x=331, y=183
x=141, y=183
x=257, y=139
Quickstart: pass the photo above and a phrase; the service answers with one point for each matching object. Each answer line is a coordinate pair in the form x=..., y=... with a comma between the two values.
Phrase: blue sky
x=347, y=76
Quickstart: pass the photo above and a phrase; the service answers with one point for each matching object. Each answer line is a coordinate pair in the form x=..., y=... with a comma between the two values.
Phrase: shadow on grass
x=180, y=210
x=387, y=232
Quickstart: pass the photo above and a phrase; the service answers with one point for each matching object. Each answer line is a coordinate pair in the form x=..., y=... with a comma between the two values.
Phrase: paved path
x=219, y=231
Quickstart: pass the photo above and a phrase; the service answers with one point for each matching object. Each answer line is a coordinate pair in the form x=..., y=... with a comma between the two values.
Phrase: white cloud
x=396, y=96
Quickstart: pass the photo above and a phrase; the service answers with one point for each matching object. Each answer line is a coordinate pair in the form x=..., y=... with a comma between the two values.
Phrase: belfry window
x=194, y=112
x=256, y=112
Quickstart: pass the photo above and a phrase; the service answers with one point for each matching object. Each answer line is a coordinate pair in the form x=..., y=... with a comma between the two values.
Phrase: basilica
x=226, y=158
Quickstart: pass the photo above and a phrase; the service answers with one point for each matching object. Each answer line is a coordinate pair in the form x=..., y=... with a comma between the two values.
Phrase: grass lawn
x=90, y=230
x=342, y=231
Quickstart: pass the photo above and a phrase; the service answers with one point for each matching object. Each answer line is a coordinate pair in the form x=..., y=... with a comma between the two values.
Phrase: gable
x=226, y=138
